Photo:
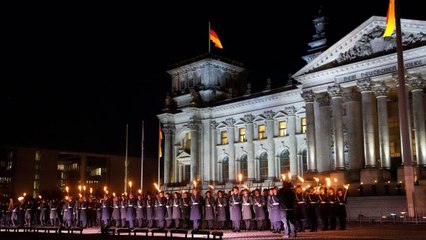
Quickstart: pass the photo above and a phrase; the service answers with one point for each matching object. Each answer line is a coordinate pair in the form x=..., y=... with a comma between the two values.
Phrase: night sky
x=74, y=75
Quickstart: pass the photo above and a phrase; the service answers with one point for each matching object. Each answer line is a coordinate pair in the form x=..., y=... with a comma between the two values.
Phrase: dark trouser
x=196, y=224
x=277, y=226
x=290, y=220
x=341, y=215
x=83, y=218
x=220, y=224
x=168, y=223
x=301, y=224
x=177, y=222
x=140, y=222
x=247, y=223
x=236, y=225
x=260, y=224
x=324, y=217
x=332, y=218
x=209, y=224
x=312, y=216
x=150, y=223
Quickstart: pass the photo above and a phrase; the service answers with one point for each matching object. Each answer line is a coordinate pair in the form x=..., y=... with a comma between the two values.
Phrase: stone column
x=309, y=98
x=195, y=156
x=419, y=119
x=270, y=141
x=231, y=148
x=213, y=153
x=353, y=137
x=250, y=146
x=335, y=93
x=168, y=156
x=368, y=123
x=83, y=166
x=205, y=150
x=381, y=92
x=323, y=134
x=292, y=143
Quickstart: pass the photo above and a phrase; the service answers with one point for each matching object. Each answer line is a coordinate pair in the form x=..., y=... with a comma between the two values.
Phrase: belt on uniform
x=28, y=209
x=195, y=203
x=246, y=204
x=219, y=205
x=322, y=202
x=341, y=204
x=148, y=206
x=83, y=208
x=115, y=207
x=53, y=209
x=331, y=202
x=175, y=205
x=276, y=203
x=236, y=203
x=129, y=205
x=208, y=205
x=300, y=202
x=139, y=206
x=167, y=206
x=160, y=205
x=312, y=202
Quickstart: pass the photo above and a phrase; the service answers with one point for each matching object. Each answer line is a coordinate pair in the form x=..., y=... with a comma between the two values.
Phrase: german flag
x=390, y=19
x=215, y=39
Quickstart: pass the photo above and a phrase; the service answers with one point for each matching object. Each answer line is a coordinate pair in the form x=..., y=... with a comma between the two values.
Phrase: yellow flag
x=160, y=137
x=390, y=19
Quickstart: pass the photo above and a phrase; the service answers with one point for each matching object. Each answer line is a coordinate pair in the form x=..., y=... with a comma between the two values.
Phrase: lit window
x=303, y=122
x=9, y=166
x=96, y=172
x=242, y=135
x=74, y=166
x=282, y=128
x=186, y=142
x=223, y=137
x=37, y=156
x=261, y=132
x=37, y=176
x=61, y=167
x=3, y=164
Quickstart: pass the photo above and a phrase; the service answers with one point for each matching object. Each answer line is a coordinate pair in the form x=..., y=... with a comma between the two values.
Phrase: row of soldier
x=256, y=209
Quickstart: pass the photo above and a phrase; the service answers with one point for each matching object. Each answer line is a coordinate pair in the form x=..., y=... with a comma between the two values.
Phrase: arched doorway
x=303, y=161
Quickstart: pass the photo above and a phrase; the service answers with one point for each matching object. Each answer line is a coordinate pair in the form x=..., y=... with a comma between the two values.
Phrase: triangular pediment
x=364, y=41
x=222, y=125
x=280, y=114
x=240, y=122
x=183, y=155
x=259, y=118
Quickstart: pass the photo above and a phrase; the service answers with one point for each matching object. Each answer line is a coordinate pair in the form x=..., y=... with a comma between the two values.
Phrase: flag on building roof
x=215, y=39
x=390, y=19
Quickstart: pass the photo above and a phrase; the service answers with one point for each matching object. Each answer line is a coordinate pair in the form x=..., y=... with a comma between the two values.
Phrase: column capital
x=335, y=91
x=291, y=110
x=194, y=126
x=230, y=122
x=351, y=97
x=323, y=100
x=269, y=115
x=417, y=82
x=308, y=96
x=381, y=90
x=168, y=129
x=248, y=118
x=364, y=85
x=213, y=124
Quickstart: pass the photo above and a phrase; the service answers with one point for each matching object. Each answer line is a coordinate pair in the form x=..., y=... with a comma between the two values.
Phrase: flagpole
x=159, y=156
x=403, y=117
x=142, y=152
x=126, y=160
x=209, y=39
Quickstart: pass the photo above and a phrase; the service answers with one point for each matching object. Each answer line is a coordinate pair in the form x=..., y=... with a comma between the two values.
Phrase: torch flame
x=67, y=189
x=156, y=186
x=346, y=186
x=289, y=175
x=211, y=186
x=316, y=179
x=240, y=177
x=90, y=190
x=335, y=180
x=328, y=182
x=105, y=188
x=195, y=183
x=301, y=179
x=140, y=191
x=84, y=188
x=283, y=177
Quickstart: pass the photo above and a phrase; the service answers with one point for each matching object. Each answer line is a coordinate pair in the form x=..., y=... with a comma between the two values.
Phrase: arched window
x=305, y=160
x=186, y=143
x=243, y=165
x=225, y=169
x=263, y=166
x=284, y=162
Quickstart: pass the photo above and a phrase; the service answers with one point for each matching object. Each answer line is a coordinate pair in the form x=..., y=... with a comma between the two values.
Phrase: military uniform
x=312, y=202
x=209, y=211
x=140, y=205
x=235, y=211
x=83, y=213
x=259, y=211
x=246, y=211
x=275, y=213
x=176, y=211
x=131, y=211
x=161, y=211
x=169, y=211
x=341, y=211
x=300, y=211
x=150, y=217
x=221, y=205
x=195, y=214
x=105, y=205
x=115, y=216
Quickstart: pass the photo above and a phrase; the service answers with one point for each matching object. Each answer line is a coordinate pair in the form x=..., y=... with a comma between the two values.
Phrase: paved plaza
x=354, y=231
